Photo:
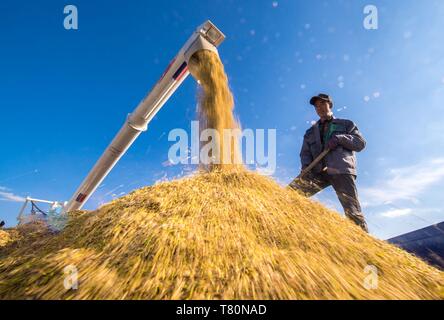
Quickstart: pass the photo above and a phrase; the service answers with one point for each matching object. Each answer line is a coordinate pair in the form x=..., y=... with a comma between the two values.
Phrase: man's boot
x=358, y=218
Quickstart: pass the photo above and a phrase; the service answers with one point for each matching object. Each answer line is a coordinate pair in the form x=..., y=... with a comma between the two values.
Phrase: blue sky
x=64, y=94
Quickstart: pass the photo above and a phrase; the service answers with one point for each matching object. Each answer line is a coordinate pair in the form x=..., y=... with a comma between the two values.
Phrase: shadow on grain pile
x=224, y=233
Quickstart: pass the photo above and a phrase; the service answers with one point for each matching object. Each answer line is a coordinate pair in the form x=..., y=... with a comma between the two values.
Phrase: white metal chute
x=206, y=37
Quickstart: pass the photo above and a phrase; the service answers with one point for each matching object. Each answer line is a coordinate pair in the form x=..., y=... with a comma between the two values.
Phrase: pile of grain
x=217, y=235
x=4, y=238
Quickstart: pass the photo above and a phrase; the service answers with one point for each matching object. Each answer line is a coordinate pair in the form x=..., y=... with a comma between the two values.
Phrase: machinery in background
x=36, y=213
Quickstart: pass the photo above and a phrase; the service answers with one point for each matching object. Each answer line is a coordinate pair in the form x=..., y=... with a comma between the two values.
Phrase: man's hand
x=333, y=143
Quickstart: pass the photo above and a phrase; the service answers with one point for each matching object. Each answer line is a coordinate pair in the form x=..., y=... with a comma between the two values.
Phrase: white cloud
x=113, y=190
x=394, y=213
x=404, y=183
x=407, y=34
x=9, y=196
x=265, y=171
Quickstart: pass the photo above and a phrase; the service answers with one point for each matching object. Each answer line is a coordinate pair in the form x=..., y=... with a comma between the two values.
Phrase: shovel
x=309, y=167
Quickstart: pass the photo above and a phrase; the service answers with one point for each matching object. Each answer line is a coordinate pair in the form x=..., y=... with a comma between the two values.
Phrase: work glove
x=333, y=143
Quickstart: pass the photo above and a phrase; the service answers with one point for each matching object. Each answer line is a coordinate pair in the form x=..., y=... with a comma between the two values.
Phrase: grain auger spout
x=207, y=37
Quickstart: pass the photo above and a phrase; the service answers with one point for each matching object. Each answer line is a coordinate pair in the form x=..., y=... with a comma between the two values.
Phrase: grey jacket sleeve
x=352, y=140
x=306, y=157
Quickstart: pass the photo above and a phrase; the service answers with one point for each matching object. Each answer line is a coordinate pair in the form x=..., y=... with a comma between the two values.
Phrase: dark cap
x=322, y=96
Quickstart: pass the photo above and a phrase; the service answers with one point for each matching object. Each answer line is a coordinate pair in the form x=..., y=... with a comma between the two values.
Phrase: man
x=2, y=223
x=338, y=167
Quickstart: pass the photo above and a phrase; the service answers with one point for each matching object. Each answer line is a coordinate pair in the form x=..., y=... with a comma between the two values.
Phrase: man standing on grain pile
x=338, y=167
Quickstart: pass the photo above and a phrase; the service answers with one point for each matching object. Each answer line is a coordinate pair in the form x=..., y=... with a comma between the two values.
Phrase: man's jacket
x=341, y=160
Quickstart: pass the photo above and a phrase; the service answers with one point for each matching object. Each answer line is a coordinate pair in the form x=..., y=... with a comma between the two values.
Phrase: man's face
x=323, y=109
